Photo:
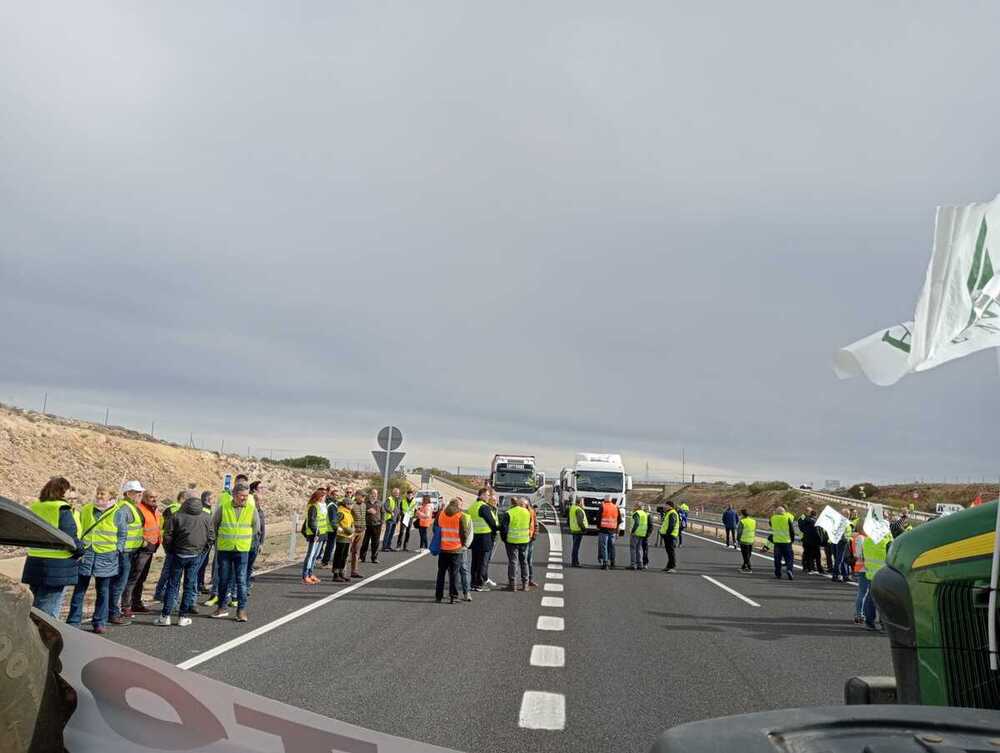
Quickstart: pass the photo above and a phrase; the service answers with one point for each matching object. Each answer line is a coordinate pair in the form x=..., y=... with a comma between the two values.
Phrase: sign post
x=389, y=438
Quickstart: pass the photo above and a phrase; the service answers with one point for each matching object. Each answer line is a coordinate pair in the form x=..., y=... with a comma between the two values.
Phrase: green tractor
x=934, y=599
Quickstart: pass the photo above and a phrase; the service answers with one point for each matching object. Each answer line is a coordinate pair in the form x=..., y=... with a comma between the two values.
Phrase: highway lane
x=643, y=651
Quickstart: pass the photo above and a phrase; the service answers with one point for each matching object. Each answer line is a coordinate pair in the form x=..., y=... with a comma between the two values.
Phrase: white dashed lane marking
x=542, y=710
x=554, y=576
x=554, y=566
x=550, y=623
x=554, y=587
x=548, y=656
x=552, y=601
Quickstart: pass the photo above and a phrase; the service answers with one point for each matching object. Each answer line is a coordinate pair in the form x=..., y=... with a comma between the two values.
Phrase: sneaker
x=789, y=575
x=241, y=615
x=183, y=621
x=189, y=611
x=120, y=620
x=491, y=582
x=604, y=566
x=467, y=597
x=100, y=630
x=532, y=585
x=220, y=612
x=631, y=567
x=233, y=603
x=213, y=601
x=357, y=575
x=162, y=620
x=127, y=614
x=670, y=570
x=142, y=609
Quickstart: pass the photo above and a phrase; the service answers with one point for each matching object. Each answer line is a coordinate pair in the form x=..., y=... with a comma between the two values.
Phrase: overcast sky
x=561, y=226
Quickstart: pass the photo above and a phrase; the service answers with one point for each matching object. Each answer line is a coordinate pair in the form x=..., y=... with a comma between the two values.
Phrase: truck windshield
x=514, y=481
x=599, y=481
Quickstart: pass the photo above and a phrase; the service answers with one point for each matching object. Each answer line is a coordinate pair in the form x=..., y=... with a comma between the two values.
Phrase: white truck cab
x=514, y=476
x=593, y=477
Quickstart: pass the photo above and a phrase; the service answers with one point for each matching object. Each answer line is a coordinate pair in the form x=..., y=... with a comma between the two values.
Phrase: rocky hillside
x=35, y=447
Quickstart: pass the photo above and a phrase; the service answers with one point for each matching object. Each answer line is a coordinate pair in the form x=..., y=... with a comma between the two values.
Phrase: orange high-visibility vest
x=425, y=514
x=150, y=524
x=451, y=531
x=858, y=550
x=609, y=515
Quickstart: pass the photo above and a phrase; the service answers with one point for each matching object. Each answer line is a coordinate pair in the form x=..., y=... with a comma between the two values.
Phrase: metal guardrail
x=864, y=505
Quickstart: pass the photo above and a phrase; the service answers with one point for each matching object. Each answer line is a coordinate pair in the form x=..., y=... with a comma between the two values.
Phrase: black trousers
x=811, y=558
x=668, y=542
x=132, y=595
x=373, y=539
x=448, y=562
x=747, y=551
x=828, y=548
x=480, y=544
x=402, y=540
x=341, y=548
x=730, y=536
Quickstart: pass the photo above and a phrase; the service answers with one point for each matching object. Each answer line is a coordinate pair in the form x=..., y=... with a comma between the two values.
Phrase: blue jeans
x=102, y=587
x=48, y=598
x=840, y=568
x=863, y=588
x=390, y=527
x=783, y=553
x=186, y=568
x=312, y=550
x=250, y=560
x=119, y=582
x=465, y=570
x=529, y=553
x=606, y=547
x=161, y=583
x=233, y=577
x=577, y=540
x=635, y=550
x=869, y=607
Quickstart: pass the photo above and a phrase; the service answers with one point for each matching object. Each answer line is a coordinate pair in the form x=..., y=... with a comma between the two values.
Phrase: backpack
x=435, y=547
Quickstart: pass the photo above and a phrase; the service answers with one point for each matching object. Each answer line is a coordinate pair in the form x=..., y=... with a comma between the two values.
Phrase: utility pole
x=107, y=415
x=191, y=439
x=222, y=449
x=45, y=402
x=152, y=429
x=683, y=468
x=647, y=471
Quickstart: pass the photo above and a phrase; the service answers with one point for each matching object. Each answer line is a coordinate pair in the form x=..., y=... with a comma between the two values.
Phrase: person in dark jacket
x=257, y=492
x=47, y=572
x=207, y=498
x=731, y=521
x=188, y=535
x=812, y=561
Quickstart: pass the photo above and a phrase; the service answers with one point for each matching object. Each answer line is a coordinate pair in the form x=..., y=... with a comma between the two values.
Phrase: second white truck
x=589, y=480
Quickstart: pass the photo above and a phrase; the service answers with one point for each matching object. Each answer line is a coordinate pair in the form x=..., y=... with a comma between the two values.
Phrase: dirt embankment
x=34, y=447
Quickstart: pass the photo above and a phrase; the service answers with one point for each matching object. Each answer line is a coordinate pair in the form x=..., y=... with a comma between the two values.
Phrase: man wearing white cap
x=131, y=494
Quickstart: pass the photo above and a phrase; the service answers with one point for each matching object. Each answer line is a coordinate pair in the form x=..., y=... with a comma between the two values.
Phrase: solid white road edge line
x=545, y=622
x=726, y=588
x=548, y=656
x=542, y=710
x=222, y=648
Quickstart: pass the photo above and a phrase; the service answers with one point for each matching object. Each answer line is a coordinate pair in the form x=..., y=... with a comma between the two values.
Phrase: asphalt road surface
x=640, y=651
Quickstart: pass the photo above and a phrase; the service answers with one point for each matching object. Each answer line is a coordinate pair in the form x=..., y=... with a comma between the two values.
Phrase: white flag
x=958, y=311
x=833, y=523
x=876, y=527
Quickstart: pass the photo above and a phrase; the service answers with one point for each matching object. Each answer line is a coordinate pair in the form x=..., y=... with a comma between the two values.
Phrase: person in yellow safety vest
x=515, y=530
x=857, y=550
x=746, y=533
x=103, y=528
x=131, y=495
x=782, y=536
x=235, y=522
x=670, y=530
x=841, y=570
x=484, y=528
x=345, y=533
x=875, y=554
x=407, y=509
x=47, y=572
x=682, y=511
x=465, y=556
x=391, y=508
x=638, y=543
x=315, y=529
x=577, y=528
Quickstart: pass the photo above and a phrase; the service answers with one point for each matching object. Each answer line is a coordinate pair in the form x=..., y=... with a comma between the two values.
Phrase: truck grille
x=962, y=609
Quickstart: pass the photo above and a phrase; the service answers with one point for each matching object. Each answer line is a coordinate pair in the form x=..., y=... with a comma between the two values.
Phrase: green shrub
x=767, y=486
x=864, y=490
x=312, y=462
